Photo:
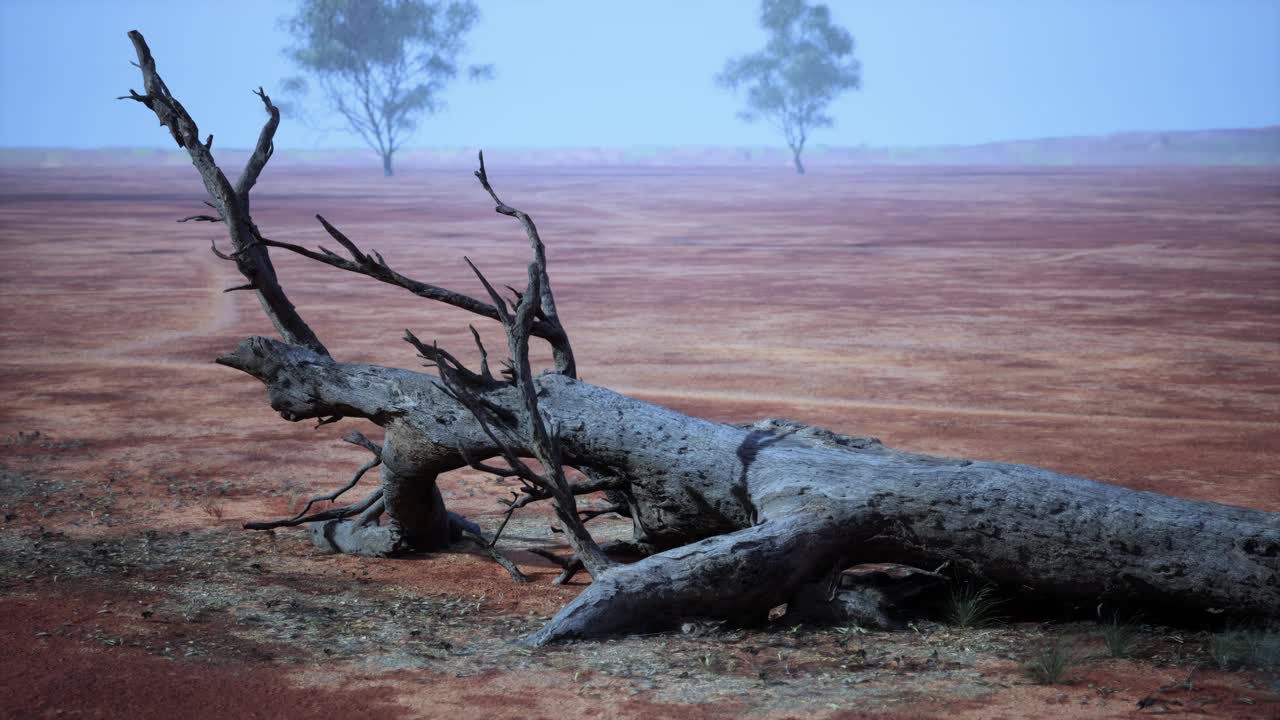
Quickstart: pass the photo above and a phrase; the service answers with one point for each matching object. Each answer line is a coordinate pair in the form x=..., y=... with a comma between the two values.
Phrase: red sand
x=1117, y=324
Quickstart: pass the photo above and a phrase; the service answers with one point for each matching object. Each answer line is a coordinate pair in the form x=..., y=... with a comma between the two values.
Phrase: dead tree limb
x=337, y=513
x=735, y=519
x=487, y=547
x=542, y=434
x=354, y=438
x=231, y=203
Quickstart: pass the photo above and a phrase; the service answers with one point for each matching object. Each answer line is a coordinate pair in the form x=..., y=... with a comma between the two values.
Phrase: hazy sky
x=639, y=72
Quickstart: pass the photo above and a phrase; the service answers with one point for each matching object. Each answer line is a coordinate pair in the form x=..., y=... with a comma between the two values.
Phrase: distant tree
x=806, y=63
x=381, y=63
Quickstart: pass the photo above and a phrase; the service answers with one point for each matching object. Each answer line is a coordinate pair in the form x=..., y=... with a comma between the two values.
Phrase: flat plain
x=1121, y=324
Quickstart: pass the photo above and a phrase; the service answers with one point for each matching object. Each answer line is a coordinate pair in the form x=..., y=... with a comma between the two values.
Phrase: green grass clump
x=1051, y=665
x=971, y=607
x=1119, y=636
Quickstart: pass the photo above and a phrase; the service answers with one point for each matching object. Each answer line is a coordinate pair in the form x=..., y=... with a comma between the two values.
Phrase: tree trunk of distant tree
x=386, y=164
x=795, y=158
x=729, y=521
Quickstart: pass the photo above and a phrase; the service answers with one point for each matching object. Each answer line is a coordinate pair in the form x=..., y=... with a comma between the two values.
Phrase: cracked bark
x=747, y=515
x=733, y=519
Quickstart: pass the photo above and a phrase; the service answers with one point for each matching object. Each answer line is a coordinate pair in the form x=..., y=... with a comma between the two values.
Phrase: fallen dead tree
x=729, y=520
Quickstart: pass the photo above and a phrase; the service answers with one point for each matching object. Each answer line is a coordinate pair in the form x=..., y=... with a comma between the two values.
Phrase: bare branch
x=542, y=435
x=488, y=418
x=562, y=351
x=262, y=152
x=436, y=355
x=486, y=468
x=484, y=356
x=363, y=507
x=571, y=566
x=504, y=314
x=355, y=438
x=506, y=517
x=214, y=246
x=562, y=562
x=588, y=515
x=533, y=494
x=336, y=234
x=232, y=205
x=358, y=438
x=488, y=547
x=378, y=269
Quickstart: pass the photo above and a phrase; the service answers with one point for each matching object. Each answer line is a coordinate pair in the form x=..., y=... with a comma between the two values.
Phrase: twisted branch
x=376, y=267
x=231, y=203
x=561, y=350
x=354, y=438
x=365, y=507
x=543, y=433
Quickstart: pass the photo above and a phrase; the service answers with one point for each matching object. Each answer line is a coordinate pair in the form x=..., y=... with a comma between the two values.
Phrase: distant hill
x=1247, y=146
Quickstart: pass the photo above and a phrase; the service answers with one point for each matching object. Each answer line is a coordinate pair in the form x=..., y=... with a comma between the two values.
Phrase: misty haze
x=775, y=359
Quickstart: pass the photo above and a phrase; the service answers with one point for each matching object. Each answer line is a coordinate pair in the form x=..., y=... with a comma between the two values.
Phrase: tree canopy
x=381, y=63
x=805, y=64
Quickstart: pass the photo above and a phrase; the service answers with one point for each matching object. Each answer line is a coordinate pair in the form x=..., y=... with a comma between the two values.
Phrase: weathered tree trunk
x=747, y=516
x=734, y=520
x=386, y=164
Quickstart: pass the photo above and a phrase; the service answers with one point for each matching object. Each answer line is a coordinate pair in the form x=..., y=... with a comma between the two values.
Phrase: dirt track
x=1122, y=325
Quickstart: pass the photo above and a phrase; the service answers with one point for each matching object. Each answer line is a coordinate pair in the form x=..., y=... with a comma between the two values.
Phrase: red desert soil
x=1119, y=324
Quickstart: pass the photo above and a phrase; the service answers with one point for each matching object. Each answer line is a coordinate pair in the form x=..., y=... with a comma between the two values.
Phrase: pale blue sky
x=633, y=72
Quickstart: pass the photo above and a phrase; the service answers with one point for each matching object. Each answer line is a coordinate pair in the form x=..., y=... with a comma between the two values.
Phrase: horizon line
x=674, y=146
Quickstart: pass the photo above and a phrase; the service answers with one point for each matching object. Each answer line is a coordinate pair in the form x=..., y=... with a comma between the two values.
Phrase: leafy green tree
x=805, y=64
x=380, y=63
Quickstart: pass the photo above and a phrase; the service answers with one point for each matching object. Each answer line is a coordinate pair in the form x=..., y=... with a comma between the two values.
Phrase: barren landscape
x=1121, y=324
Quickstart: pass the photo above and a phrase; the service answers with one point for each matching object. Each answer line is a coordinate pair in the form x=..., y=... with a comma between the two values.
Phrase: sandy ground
x=1119, y=324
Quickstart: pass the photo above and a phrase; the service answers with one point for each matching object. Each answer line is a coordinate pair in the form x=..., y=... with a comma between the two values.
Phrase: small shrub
x=213, y=508
x=1118, y=636
x=1245, y=648
x=971, y=607
x=1051, y=665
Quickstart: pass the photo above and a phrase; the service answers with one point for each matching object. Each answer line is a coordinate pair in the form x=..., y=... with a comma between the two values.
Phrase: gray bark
x=231, y=203
x=747, y=516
